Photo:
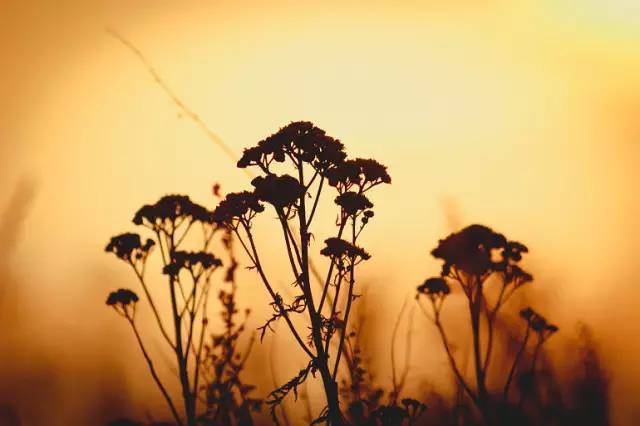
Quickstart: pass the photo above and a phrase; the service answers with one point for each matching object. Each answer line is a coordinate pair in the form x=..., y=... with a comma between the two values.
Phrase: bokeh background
x=522, y=115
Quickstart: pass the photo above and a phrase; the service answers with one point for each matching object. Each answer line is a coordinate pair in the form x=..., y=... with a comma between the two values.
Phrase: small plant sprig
x=171, y=220
x=228, y=399
x=318, y=163
x=471, y=257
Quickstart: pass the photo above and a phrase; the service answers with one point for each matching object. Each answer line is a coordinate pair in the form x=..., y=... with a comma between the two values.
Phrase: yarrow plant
x=189, y=278
x=319, y=164
x=476, y=259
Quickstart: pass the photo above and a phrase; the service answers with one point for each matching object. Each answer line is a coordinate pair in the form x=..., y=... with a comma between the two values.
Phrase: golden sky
x=522, y=115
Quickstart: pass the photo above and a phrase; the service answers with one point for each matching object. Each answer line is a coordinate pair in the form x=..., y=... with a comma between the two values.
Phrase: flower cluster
x=436, y=286
x=353, y=202
x=514, y=274
x=236, y=207
x=279, y=191
x=363, y=173
x=513, y=251
x=337, y=248
x=122, y=297
x=538, y=323
x=471, y=250
x=129, y=247
x=189, y=260
x=300, y=140
x=168, y=209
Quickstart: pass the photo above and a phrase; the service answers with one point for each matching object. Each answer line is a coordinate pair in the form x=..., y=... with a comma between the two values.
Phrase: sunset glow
x=521, y=115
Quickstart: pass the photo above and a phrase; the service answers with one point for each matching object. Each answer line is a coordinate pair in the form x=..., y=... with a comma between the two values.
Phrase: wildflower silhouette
x=319, y=163
x=470, y=258
x=201, y=368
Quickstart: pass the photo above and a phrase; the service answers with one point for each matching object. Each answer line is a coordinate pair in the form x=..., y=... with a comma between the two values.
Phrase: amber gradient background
x=523, y=115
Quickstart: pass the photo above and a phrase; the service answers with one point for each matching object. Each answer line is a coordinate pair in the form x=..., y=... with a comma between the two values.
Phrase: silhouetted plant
x=473, y=258
x=228, y=398
x=189, y=278
x=317, y=161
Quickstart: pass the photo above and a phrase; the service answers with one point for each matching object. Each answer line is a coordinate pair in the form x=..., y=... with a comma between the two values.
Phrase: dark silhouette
x=319, y=163
x=471, y=258
x=205, y=371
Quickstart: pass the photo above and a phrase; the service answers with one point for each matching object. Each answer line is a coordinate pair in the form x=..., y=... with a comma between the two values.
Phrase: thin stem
x=491, y=316
x=334, y=308
x=154, y=309
x=154, y=374
x=532, y=372
x=514, y=366
x=394, y=335
x=475, y=306
x=330, y=385
x=258, y=265
x=285, y=227
x=326, y=282
x=198, y=356
x=352, y=281
x=447, y=348
x=315, y=202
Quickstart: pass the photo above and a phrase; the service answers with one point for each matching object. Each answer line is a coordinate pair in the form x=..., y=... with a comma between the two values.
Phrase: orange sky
x=521, y=115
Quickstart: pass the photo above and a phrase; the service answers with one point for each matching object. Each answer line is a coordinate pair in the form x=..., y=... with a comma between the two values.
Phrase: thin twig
x=160, y=81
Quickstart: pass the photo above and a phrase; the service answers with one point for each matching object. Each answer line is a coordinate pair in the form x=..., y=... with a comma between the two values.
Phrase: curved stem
x=452, y=361
x=326, y=282
x=394, y=335
x=272, y=293
x=156, y=314
x=294, y=268
x=334, y=309
x=315, y=202
x=345, y=321
x=154, y=374
x=514, y=366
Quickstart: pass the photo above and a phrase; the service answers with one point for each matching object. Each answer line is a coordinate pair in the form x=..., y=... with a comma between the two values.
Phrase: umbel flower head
x=123, y=297
x=168, y=209
x=363, y=173
x=129, y=247
x=338, y=248
x=237, y=206
x=538, y=323
x=189, y=260
x=514, y=274
x=353, y=202
x=300, y=140
x=435, y=286
x=470, y=250
x=279, y=191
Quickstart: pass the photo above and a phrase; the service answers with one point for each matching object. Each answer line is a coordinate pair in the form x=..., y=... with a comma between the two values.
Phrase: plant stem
x=514, y=366
x=322, y=361
x=154, y=374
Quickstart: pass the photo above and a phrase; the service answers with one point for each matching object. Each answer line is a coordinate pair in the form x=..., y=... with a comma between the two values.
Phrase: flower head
x=122, y=297
x=513, y=251
x=514, y=274
x=538, y=323
x=470, y=250
x=364, y=173
x=301, y=140
x=188, y=260
x=280, y=191
x=237, y=206
x=169, y=208
x=129, y=247
x=339, y=249
x=436, y=286
x=353, y=202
